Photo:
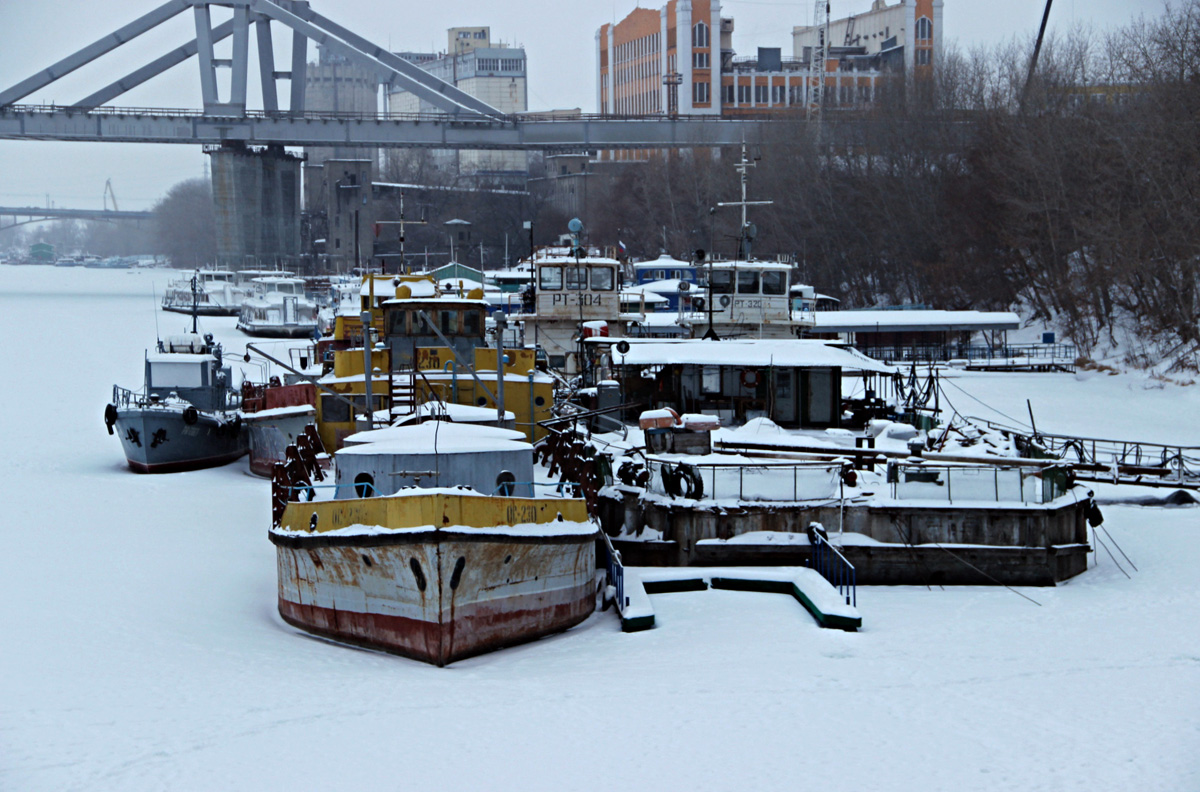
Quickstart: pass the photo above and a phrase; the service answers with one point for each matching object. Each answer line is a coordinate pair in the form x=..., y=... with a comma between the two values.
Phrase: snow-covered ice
x=141, y=649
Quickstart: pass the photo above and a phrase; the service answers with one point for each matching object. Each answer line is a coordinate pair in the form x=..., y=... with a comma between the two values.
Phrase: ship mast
x=746, y=231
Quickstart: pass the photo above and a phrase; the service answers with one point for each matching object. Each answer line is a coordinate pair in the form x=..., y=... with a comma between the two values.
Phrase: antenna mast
x=743, y=167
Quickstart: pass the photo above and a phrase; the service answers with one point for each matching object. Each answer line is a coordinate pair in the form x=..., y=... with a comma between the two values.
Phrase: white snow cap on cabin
x=458, y=413
x=789, y=353
x=927, y=321
x=434, y=437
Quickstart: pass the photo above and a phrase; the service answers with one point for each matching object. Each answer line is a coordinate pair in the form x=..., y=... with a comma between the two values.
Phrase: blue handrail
x=616, y=572
x=830, y=564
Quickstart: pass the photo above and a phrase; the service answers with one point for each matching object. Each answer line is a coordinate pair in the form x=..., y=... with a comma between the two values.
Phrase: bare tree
x=185, y=225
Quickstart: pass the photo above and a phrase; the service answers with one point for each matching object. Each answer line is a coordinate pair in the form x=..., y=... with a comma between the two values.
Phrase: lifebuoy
x=190, y=415
x=749, y=378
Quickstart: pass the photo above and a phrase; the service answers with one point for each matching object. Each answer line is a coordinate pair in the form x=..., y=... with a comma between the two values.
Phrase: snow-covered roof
x=512, y=274
x=751, y=265
x=792, y=353
x=668, y=286
x=586, y=261
x=178, y=357
x=639, y=293
x=664, y=260
x=435, y=437
x=458, y=413
x=384, y=284
x=928, y=320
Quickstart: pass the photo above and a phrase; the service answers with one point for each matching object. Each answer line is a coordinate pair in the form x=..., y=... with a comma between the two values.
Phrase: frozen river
x=141, y=649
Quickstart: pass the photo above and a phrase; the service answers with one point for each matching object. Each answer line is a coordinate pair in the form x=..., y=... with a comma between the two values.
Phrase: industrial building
x=488, y=70
x=336, y=84
x=680, y=59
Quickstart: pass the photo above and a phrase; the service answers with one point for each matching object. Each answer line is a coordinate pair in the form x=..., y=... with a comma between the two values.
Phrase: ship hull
x=400, y=592
x=159, y=440
x=271, y=434
x=277, y=330
x=203, y=310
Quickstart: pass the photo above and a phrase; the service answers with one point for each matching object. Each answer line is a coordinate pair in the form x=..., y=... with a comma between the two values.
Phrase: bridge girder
x=440, y=132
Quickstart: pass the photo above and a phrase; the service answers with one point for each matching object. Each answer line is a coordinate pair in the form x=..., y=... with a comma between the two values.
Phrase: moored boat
x=204, y=292
x=278, y=309
x=185, y=417
x=433, y=574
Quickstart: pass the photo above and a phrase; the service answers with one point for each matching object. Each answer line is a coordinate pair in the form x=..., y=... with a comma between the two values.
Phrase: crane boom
x=108, y=193
x=818, y=59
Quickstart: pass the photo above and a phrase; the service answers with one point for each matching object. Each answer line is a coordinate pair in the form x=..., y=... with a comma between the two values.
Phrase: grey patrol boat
x=186, y=416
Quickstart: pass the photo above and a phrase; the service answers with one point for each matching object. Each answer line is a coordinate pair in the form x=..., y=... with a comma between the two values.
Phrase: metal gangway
x=1105, y=459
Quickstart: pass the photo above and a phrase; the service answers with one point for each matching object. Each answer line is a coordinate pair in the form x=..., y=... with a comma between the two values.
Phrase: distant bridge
x=33, y=214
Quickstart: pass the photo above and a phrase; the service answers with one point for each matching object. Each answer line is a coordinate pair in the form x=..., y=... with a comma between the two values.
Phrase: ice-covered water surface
x=141, y=648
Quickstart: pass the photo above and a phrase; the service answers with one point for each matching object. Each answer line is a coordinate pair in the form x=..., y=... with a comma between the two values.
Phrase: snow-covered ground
x=140, y=648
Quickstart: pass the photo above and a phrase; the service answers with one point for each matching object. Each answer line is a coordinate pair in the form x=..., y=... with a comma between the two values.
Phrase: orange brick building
x=680, y=59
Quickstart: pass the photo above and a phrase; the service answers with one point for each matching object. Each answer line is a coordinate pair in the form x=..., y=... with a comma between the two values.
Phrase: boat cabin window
x=722, y=281
x=602, y=278
x=774, y=282
x=576, y=278
x=551, y=278
x=420, y=327
x=448, y=322
x=747, y=281
x=177, y=375
x=335, y=410
x=397, y=323
x=472, y=323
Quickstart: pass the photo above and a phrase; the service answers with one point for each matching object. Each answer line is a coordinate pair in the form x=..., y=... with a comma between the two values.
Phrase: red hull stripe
x=474, y=629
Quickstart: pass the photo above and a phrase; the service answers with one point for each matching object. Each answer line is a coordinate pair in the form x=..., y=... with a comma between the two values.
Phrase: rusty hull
x=435, y=595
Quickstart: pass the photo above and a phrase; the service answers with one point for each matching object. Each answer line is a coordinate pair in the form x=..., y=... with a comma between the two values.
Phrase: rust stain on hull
x=399, y=598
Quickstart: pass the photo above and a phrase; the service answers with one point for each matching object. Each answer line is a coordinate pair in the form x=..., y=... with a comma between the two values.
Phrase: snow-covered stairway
x=808, y=587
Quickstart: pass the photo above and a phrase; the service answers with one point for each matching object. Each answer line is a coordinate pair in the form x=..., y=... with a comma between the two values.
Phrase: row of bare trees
x=1080, y=202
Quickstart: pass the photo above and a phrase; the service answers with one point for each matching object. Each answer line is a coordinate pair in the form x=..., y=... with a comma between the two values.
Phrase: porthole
x=540, y=401
x=364, y=485
x=506, y=484
x=367, y=560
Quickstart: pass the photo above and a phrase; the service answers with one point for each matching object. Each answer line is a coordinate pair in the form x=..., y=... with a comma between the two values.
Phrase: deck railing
x=990, y=484
x=782, y=482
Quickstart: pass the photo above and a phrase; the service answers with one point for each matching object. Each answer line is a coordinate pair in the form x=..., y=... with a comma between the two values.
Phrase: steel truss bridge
x=461, y=120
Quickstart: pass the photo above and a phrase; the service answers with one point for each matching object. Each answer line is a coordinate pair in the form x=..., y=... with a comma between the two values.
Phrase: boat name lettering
x=521, y=513
x=580, y=299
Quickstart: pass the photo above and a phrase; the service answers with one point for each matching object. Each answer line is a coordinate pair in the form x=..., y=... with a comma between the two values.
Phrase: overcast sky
x=558, y=36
